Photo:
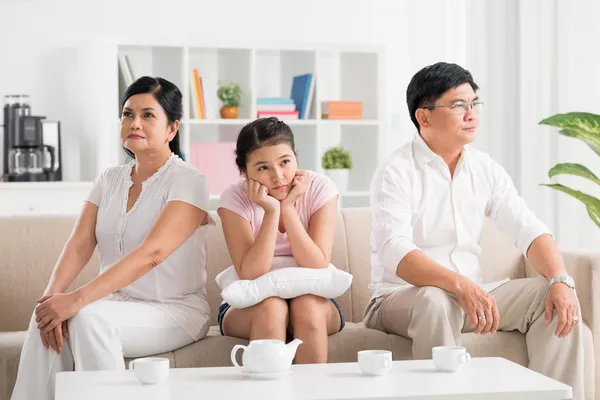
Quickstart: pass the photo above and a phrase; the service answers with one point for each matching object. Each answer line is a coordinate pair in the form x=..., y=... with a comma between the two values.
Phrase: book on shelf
x=197, y=95
x=281, y=115
x=303, y=87
x=274, y=100
x=126, y=70
x=276, y=107
x=216, y=160
x=341, y=109
x=203, y=95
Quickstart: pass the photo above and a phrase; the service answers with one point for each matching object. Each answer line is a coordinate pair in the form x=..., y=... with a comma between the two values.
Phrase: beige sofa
x=29, y=247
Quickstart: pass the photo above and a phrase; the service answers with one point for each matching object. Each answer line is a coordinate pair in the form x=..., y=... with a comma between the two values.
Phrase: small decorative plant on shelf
x=585, y=127
x=337, y=163
x=230, y=95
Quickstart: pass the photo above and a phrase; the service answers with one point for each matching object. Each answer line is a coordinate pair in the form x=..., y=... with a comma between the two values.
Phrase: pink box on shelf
x=216, y=161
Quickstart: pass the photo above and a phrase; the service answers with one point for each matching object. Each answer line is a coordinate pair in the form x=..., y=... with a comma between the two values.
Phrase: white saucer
x=266, y=375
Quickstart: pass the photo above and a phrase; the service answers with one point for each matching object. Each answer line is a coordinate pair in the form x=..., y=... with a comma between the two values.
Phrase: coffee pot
x=30, y=160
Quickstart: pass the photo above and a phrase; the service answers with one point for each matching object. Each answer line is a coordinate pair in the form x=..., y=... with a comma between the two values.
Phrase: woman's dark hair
x=431, y=82
x=168, y=96
x=259, y=133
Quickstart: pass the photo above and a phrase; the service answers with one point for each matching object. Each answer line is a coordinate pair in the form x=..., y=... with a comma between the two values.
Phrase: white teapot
x=266, y=356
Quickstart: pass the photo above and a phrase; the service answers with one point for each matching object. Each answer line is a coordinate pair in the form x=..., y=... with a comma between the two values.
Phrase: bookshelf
x=343, y=72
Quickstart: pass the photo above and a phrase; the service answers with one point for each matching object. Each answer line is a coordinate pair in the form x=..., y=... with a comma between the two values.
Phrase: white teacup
x=375, y=362
x=450, y=358
x=150, y=370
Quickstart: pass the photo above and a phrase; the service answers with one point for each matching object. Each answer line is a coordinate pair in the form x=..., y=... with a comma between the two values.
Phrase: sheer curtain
x=533, y=59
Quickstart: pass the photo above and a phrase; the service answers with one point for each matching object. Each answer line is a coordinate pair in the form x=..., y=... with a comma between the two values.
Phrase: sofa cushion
x=215, y=349
x=10, y=352
x=344, y=345
x=212, y=351
x=357, y=223
x=26, y=262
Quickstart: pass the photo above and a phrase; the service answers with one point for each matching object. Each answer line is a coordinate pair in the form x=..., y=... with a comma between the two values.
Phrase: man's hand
x=478, y=303
x=562, y=299
x=298, y=189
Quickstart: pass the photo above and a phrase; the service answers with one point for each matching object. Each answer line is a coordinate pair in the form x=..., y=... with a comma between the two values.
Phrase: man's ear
x=422, y=115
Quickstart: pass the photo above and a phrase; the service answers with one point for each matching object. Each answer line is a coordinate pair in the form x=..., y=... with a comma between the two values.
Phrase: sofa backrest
x=30, y=246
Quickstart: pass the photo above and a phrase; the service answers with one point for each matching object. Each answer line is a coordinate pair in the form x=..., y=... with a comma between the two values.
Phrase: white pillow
x=286, y=283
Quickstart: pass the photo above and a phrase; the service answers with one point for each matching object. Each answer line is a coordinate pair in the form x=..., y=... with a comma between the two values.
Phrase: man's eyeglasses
x=460, y=107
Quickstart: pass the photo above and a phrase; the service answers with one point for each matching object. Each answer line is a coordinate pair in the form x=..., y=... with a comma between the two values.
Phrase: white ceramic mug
x=450, y=358
x=150, y=370
x=375, y=362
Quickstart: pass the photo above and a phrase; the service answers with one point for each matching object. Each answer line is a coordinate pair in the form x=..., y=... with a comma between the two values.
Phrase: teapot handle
x=234, y=351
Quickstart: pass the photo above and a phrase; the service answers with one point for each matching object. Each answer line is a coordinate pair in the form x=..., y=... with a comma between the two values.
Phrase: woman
x=149, y=221
x=279, y=216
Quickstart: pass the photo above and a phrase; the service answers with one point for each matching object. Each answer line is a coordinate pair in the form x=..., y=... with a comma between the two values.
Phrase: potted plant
x=585, y=127
x=230, y=95
x=337, y=163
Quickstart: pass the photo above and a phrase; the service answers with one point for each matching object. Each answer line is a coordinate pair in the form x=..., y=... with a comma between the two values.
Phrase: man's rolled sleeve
x=392, y=231
x=510, y=212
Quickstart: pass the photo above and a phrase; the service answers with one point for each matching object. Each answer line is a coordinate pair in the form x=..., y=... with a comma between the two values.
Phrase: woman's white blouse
x=177, y=285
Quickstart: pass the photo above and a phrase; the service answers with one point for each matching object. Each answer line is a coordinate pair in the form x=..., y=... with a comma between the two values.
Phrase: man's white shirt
x=416, y=204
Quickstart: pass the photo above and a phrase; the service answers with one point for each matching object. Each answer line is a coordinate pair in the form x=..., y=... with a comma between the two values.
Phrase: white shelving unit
x=340, y=72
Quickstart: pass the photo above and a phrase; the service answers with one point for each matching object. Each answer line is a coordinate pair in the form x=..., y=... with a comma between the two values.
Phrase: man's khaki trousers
x=432, y=317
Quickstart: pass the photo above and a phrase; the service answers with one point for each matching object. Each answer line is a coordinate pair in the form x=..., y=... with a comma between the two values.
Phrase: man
x=429, y=202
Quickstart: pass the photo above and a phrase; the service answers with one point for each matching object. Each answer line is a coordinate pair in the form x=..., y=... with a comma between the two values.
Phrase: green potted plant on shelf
x=230, y=95
x=585, y=127
x=337, y=163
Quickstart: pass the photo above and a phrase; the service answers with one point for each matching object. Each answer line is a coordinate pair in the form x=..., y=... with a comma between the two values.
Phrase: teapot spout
x=291, y=348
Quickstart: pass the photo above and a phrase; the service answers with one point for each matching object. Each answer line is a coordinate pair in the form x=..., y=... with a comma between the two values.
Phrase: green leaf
x=573, y=169
x=578, y=125
x=336, y=158
x=592, y=203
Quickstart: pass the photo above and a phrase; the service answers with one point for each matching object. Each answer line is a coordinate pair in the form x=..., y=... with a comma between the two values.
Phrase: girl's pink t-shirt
x=319, y=191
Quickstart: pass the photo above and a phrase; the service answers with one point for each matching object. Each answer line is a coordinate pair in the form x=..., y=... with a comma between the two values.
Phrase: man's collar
x=425, y=155
x=422, y=151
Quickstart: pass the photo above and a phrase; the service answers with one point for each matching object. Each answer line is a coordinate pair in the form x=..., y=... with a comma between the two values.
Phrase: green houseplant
x=585, y=127
x=230, y=95
x=337, y=163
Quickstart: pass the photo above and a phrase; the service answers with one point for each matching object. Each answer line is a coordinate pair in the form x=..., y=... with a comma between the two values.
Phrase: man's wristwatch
x=567, y=280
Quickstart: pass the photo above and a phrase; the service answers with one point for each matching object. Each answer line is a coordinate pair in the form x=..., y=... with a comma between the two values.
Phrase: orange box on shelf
x=341, y=109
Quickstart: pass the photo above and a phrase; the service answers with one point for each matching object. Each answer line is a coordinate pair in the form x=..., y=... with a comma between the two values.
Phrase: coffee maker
x=31, y=145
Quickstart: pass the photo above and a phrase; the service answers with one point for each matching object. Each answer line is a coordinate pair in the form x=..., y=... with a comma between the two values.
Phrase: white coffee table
x=481, y=378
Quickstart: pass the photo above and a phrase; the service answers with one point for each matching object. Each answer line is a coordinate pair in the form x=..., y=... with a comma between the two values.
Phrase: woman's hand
x=258, y=193
x=54, y=309
x=298, y=189
x=55, y=338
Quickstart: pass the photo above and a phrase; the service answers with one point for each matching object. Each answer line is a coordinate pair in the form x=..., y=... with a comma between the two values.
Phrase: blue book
x=302, y=92
x=274, y=100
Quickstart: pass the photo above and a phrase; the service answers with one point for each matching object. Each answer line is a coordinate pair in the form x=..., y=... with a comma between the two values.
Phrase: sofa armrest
x=584, y=267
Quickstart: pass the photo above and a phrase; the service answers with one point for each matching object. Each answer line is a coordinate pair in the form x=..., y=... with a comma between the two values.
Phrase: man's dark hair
x=430, y=83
